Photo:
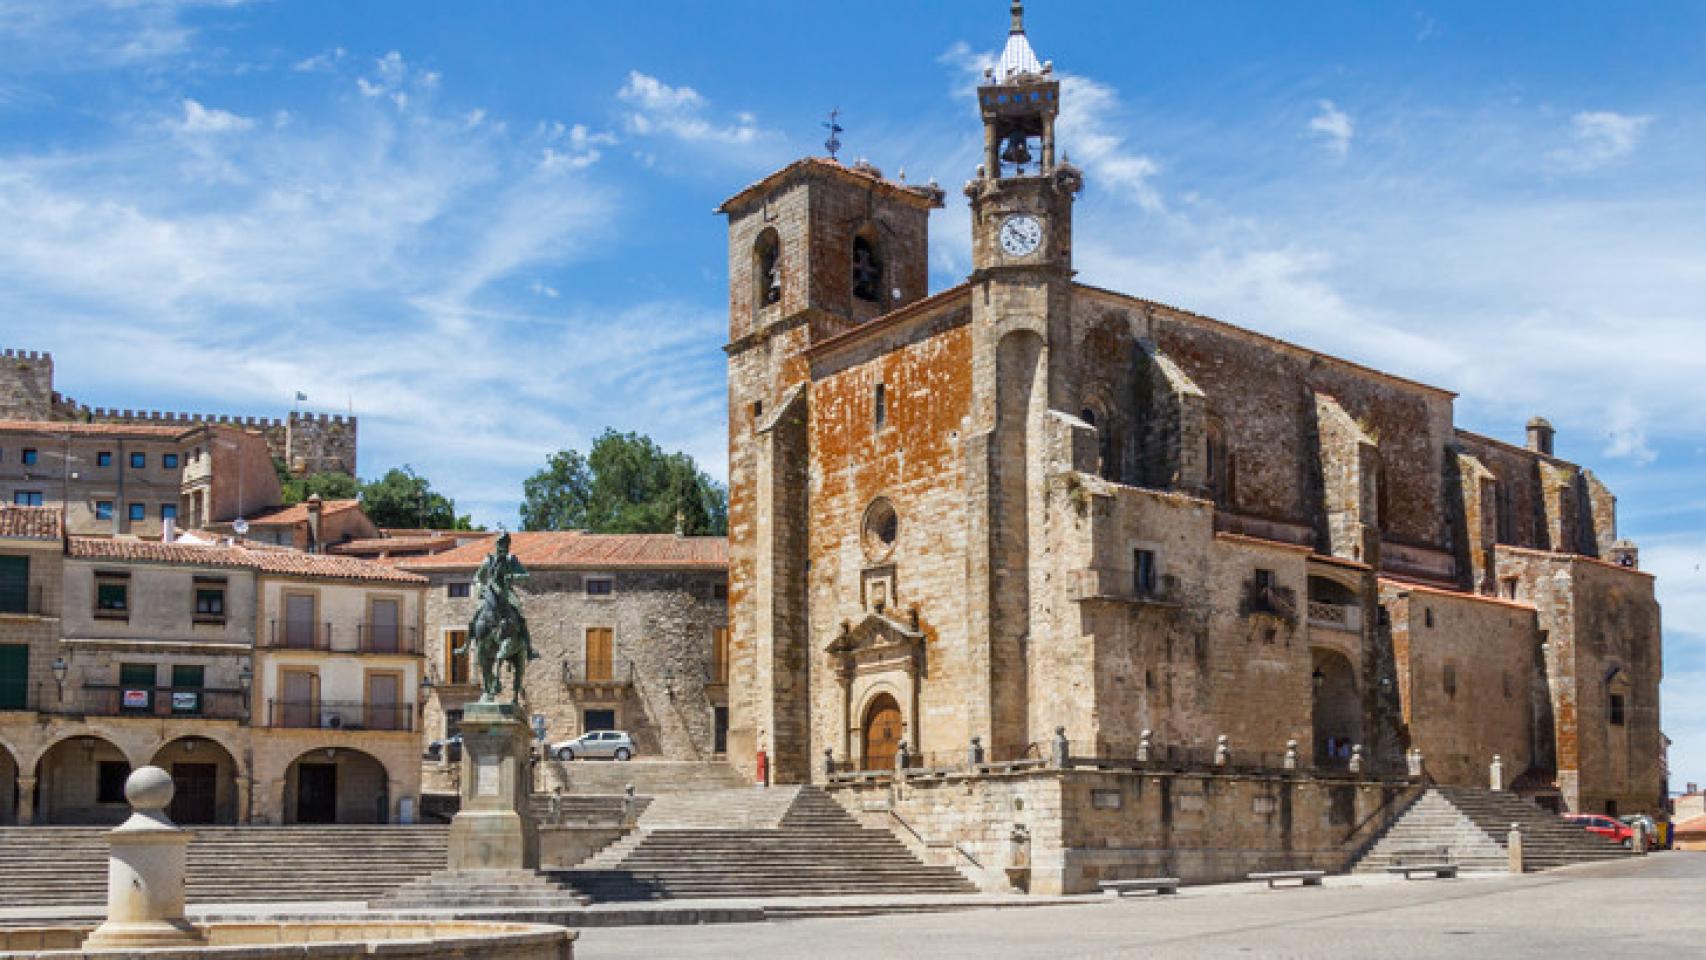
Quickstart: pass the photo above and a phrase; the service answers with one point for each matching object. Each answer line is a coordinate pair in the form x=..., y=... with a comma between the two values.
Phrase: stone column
x=26, y=801
x=1513, y=842
x=495, y=829
x=145, y=873
x=245, y=789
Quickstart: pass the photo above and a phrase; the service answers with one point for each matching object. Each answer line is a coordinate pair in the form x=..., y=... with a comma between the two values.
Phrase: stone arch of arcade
x=336, y=785
x=8, y=785
x=79, y=780
x=1336, y=707
x=207, y=778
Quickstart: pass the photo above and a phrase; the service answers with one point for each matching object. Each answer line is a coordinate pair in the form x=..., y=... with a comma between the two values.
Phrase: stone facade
x=139, y=652
x=120, y=480
x=307, y=442
x=661, y=599
x=1025, y=503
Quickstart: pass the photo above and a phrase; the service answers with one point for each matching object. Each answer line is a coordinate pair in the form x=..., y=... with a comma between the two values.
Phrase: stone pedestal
x=145, y=873
x=495, y=829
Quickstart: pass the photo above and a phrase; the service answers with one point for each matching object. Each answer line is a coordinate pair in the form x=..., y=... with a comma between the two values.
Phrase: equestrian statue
x=498, y=633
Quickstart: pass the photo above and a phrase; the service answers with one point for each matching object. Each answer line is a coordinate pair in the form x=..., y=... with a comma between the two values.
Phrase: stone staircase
x=785, y=841
x=486, y=889
x=651, y=778
x=1473, y=824
x=577, y=808
x=67, y=866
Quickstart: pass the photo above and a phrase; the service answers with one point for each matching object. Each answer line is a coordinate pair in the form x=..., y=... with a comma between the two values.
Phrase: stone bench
x=1304, y=878
x=1119, y=888
x=1439, y=870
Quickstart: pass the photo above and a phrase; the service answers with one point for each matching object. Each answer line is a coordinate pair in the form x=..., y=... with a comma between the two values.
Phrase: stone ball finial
x=149, y=789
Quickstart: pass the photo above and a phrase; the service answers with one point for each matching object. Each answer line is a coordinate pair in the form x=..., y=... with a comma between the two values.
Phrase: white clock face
x=1021, y=235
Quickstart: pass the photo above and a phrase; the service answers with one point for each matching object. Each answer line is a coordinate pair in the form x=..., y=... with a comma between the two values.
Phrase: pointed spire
x=1017, y=58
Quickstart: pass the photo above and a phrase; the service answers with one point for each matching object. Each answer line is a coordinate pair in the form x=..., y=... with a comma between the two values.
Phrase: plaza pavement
x=1645, y=907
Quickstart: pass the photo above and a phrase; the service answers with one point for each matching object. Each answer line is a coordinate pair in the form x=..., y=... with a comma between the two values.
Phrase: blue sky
x=492, y=235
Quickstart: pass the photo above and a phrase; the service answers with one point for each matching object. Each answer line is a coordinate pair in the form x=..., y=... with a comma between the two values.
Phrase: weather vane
x=835, y=130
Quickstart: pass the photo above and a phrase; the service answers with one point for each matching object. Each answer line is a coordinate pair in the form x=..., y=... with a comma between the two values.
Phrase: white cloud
x=1334, y=127
x=200, y=119
x=662, y=110
x=1600, y=138
x=1626, y=434
x=321, y=62
x=77, y=35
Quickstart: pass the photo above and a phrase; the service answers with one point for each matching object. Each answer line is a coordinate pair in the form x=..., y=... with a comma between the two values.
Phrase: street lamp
x=1318, y=678
x=60, y=669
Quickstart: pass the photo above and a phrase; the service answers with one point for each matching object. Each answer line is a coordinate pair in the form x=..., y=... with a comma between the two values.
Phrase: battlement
x=306, y=442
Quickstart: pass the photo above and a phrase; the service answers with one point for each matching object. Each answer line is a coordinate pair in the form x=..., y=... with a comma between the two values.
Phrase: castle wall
x=26, y=385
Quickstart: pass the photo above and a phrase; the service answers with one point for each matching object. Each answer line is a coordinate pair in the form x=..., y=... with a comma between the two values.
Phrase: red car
x=1608, y=827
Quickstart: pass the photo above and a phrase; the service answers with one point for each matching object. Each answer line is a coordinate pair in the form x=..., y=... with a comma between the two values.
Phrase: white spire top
x=1018, y=57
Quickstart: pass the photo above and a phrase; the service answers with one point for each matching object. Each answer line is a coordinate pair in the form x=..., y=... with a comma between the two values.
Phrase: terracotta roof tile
x=55, y=427
x=265, y=561
x=298, y=513
x=154, y=551
x=597, y=551
x=29, y=523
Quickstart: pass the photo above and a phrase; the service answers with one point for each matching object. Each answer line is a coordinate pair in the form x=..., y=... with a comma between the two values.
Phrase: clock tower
x=1021, y=199
x=1021, y=302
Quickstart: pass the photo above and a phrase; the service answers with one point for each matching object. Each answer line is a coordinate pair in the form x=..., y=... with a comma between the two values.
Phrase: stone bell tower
x=815, y=250
x=1021, y=281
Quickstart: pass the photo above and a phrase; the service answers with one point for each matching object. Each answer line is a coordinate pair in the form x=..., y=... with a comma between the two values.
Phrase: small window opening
x=1143, y=570
x=1450, y=680
x=881, y=406
x=1428, y=616
x=1617, y=710
x=867, y=271
x=767, y=269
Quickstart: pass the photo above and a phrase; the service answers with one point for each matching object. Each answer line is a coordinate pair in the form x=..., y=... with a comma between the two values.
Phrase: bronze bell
x=1017, y=151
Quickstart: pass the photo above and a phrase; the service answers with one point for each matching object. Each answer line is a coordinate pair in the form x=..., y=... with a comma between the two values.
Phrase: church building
x=1024, y=514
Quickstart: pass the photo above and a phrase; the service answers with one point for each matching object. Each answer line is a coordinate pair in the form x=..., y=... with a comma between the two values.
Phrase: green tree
x=404, y=498
x=625, y=484
x=330, y=486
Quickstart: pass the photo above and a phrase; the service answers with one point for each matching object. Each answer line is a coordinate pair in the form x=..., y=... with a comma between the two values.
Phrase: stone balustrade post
x=145, y=873
x=1062, y=748
x=1145, y=746
x=1291, y=754
x=1496, y=773
x=974, y=755
x=1513, y=843
x=629, y=805
x=1356, y=758
x=1222, y=750
x=1413, y=759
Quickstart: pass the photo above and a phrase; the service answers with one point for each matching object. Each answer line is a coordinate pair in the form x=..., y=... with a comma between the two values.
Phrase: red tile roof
x=288, y=563
x=56, y=428
x=595, y=551
x=29, y=523
x=298, y=513
x=154, y=551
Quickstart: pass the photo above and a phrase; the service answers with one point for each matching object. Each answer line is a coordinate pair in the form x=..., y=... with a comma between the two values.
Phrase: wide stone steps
x=63, y=866
x=650, y=778
x=514, y=889
x=786, y=841
x=1473, y=825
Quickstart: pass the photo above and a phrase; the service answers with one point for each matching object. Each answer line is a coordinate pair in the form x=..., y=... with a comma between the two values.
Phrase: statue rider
x=498, y=615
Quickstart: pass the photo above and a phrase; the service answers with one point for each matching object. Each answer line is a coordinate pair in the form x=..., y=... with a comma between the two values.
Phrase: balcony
x=113, y=700
x=599, y=680
x=1335, y=616
x=341, y=715
x=359, y=637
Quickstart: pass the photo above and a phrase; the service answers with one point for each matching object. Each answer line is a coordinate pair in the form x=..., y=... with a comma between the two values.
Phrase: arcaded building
x=969, y=518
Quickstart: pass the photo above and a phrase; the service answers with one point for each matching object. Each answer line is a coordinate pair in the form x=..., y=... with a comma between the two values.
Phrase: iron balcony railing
x=291, y=634
x=384, y=638
x=359, y=637
x=341, y=715
x=599, y=671
x=118, y=700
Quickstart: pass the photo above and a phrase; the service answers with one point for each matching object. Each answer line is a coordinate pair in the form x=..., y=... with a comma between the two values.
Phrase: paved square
x=1636, y=909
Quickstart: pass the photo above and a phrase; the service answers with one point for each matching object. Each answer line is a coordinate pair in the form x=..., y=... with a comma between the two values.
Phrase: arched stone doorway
x=1337, y=708
x=80, y=781
x=882, y=733
x=8, y=787
x=336, y=785
x=204, y=781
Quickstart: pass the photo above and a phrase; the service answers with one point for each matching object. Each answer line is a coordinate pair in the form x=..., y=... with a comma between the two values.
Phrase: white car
x=614, y=744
